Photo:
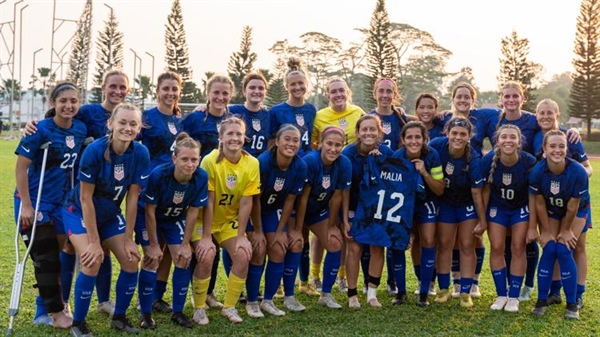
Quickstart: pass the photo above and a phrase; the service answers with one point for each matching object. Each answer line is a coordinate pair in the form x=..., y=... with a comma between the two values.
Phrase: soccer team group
x=244, y=185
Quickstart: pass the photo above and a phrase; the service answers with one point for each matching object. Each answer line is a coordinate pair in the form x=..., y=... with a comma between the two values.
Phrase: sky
x=470, y=29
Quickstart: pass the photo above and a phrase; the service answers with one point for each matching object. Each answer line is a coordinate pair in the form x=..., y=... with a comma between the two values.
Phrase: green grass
x=447, y=320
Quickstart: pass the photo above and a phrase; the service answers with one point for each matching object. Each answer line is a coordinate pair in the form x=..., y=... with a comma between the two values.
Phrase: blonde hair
x=119, y=107
x=510, y=85
x=217, y=78
x=346, y=87
x=224, y=124
x=553, y=105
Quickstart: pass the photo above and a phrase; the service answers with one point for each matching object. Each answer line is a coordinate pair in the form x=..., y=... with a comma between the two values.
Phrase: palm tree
x=11, y=90
x=47, y=78
x=145, y=88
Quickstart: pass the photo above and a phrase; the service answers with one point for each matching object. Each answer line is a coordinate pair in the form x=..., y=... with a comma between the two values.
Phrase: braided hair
x=497, y=151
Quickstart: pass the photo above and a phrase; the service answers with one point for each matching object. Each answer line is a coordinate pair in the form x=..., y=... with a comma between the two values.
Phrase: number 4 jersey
x=388, y=191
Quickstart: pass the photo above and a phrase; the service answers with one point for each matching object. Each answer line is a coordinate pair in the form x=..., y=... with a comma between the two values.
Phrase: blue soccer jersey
x=95, y=118
x=171, y=197
x=510, y=184
x=159, y=134
x=386, y=205
x=575, y=151
x=276, y=184
x=324, y=180
x=258, y=128
x=111, y=178
x=301, y=116
x=204, y=128
x=63, y=153
x=557, y=189
x=459, y=175
x=392, y=128
x=484, y=122
x=528, y=125
x=433, y=166
x=358, y=162
x=436, y=130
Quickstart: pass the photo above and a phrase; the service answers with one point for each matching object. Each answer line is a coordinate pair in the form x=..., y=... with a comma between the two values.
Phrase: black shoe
x=422, y=302
x=147, y=322
x=400, y=298
x=121, y=323
x=572, y=311
x=162, y=306
x=540, y=308
x=180, y=319
x=80, y=330
x=242, y=298
x=554, y=299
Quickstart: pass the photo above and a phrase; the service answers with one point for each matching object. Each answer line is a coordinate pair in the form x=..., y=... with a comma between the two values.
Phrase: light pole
x=152, y=78
x=135, y=58
x=61, y=64
x=33, y=84
x=21, y=55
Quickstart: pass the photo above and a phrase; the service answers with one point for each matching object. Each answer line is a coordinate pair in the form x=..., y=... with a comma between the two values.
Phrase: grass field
x=409, y=320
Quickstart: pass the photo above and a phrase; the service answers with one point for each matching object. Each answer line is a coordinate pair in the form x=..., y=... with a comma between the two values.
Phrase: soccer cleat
x=392, y=289
x=327, y=300
x=161, y=305
x=317, y=283
x=253, y=310
x=540, y=308
x=432, y=291
x=422, y=301
x=81, y=330
x=443, y=296
x=280, y=293
x=579, y=303
x=309, y=289
x=107, y=307
x=353, y=302
x=499, y=303
x=400, y=298
x=212, y=302
x=572, y=312
x=465, y=300
x=475, y=293
x=553, y=299
x=200, y=317
x=374, y=302
x=292, y=304
x=456, y=290
x=147, y=322
x=232, y=315
x=182, y=320
x=121, y=323
x=526, y=293
x=342, y=284
x=270, y=308
x=512, y=305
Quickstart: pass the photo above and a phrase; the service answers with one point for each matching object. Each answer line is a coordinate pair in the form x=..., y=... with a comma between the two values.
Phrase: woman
x=329, y=173
x=233, y=180
x=505, y=194
x=561, y=190
x=66, y=136
x=461, y=206
x=369, y=133
x=283, y=175
x=111, y=169
x=171, y=201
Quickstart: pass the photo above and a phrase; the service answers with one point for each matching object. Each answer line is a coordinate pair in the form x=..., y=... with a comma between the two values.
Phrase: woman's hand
x=92, y=254
x=280, y=239
x=295, y=236
x=183, y=255
x=153, y=255
x=131, y=249
x=532, y=235
x=203, y=247
x=568, y=239
x=545, y=238
x=27, y=215
x=243, y=244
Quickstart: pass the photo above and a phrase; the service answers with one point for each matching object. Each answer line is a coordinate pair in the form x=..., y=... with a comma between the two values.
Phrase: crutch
x=15, y=296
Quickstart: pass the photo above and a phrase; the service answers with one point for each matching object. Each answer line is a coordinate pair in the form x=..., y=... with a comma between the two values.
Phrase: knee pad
x=374, y=280
x=46, y=263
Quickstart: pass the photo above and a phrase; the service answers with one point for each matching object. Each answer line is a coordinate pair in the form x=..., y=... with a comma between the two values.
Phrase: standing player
x=112, y=169
x=66, y=136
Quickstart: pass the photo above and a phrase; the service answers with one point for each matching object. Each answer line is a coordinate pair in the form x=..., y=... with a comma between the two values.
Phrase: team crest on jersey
x=449, y=168
x=507, y=178
x=493, y=212
x=172, y=128
x=343, y=123
x=554, y=187
x=70, y=141
x=40, y=216
x=231, y=181
x=387, y=128
x=256, y=124
x=119, y=172
x=178, y=197
x=279, y=184
x=326, y=182
x=300, y=120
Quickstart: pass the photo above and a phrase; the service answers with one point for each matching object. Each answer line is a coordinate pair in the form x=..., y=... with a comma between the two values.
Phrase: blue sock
x=555, y=287
x=40, y=307
x=427, y=263
x=533, y=256
x=568, y=272
x=417, y=269
x=444, y=281
x=213, y=274
x=399, y=263
x=125, y=288
x=67, y=266
x=227, y=261
x=580, y=290
x=508, y=254
x=159, y=290
x=305, y=262
x=273, y=275
x=389, y=264
x=181, y=284
x=104, y=280
x=292, y=262
x=546, y=269
x=515, y=286
x=480, y=254
x=465, y=285
x=146, y=284
x=455, y=268
x=500, y=281
x=331, y=266
x=365, y=258
x=253, y=281
x=84, y=287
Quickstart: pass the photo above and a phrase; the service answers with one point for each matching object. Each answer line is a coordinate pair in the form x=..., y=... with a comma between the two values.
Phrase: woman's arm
x=477, y=194
x=532, y=232
x=566, y=235
x=153, y=251
x=301, y=208
x=334, y=208
x=131, y=202
x=93, y=253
